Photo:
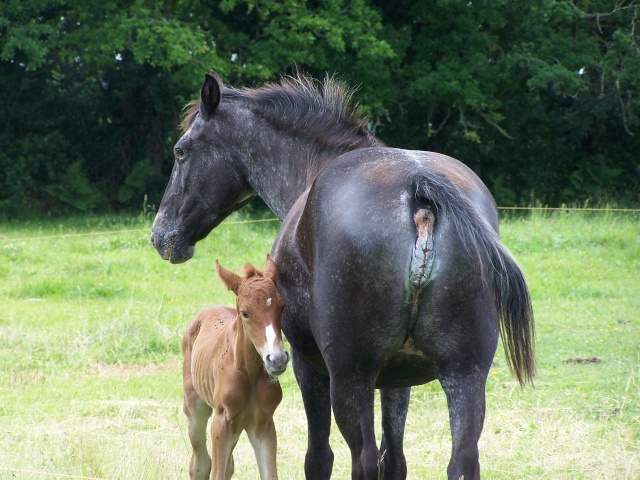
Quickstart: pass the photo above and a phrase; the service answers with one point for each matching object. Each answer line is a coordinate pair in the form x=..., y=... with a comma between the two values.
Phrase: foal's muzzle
x=276, y=363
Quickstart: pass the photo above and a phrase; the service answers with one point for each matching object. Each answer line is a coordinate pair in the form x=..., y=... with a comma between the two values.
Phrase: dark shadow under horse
x=390, y=263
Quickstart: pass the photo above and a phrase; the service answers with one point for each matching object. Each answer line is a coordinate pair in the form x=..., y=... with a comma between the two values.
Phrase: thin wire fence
x=238, y=222
x=113, y=232
x=574, y=209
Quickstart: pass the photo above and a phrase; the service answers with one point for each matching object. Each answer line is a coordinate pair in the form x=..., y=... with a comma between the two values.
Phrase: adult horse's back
x=390, y=263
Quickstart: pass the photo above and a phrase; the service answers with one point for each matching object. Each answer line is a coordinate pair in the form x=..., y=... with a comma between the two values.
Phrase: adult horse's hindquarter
x=357, y=235
x=406, y=280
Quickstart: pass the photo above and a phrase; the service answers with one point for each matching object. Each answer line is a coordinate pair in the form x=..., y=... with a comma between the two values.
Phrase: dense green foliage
x=540, y=97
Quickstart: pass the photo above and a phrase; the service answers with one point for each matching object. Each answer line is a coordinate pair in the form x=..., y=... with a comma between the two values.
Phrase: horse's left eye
x=179, y=153
x=245, y=315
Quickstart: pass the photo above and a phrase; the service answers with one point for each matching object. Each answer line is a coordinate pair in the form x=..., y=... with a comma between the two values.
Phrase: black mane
x=301, y=104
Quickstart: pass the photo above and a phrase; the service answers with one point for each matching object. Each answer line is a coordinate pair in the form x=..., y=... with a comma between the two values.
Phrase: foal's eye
x=245, y=315
x=179, y=154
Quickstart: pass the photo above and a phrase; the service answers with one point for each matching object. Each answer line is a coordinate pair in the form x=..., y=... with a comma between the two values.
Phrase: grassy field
x=90, y=329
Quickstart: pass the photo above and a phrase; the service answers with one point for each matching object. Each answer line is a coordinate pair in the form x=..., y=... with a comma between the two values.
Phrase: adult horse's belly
x=402, y=369
x=406, y=368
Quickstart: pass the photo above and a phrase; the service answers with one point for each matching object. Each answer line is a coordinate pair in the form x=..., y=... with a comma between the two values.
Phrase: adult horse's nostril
x=269, y=357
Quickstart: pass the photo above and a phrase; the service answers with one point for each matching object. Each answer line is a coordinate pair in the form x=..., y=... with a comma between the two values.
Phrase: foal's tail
x=501, y=271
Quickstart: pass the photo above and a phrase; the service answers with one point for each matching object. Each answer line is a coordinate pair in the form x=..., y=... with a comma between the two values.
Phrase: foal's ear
x=250, y=270
x=209, y=95
x=230, y=279
x=271, y=270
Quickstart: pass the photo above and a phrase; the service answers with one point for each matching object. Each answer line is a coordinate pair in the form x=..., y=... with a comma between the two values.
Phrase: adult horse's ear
x=230, y=279
x=209, y=95
x=271, y=270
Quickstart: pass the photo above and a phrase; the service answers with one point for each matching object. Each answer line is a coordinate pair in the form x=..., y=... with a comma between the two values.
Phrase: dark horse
x=390, y=263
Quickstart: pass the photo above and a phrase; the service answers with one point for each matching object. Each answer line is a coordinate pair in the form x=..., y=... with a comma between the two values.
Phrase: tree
x=540, y=98
x=93, y=89
x=90, y=99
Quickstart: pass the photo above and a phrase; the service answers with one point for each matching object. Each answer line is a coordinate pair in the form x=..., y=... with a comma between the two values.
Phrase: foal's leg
x=198, y=413
x=262, y=435
x=395, y=405
x=317, y=405
x=224, y=438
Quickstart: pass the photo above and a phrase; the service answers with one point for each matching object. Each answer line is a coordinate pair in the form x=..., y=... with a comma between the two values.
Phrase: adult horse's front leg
x=395, y=405
x=466, y=400
x=314, y=386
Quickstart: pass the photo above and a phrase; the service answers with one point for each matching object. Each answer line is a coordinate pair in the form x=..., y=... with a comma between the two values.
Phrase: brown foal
x=231, y=361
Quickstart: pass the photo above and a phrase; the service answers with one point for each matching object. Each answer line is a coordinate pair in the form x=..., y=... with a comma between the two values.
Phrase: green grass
x=90, y=330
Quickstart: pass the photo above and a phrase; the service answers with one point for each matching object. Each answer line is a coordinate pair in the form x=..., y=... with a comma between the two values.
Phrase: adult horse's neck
x=287, y=133
x=289, y=169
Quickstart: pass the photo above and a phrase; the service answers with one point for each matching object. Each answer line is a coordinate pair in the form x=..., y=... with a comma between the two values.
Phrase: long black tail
x=499, y=270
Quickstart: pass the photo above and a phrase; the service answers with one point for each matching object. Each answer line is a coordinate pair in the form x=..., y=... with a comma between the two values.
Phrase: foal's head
x=259, y=307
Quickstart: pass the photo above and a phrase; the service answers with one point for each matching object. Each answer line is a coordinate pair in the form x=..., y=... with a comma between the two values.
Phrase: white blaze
x=271, y=338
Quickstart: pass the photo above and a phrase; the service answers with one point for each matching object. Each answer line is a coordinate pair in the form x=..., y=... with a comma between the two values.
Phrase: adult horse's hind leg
x=352, y=397
x=461, y=337
x=314, y=386
x=462, y=371
x=466, y=400
x=395, y=405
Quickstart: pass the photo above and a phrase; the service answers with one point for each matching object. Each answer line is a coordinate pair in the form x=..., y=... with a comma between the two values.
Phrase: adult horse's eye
x=179, y=154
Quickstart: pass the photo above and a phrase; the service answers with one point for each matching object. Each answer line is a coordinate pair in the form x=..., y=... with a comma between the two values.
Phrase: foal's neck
x=246, y=356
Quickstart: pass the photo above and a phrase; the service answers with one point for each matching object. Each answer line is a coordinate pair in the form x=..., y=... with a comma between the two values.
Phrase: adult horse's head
x=238, y=143
x=205, y=186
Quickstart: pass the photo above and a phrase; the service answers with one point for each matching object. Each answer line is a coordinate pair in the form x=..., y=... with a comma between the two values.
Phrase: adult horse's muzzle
x=172, y=246
x=175, y=239
x=171, y=242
